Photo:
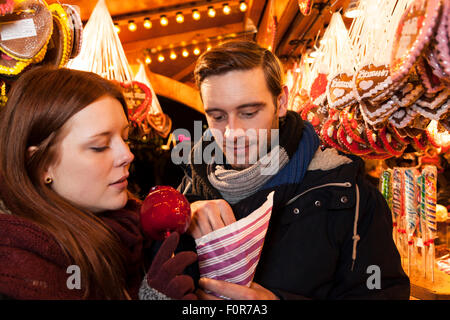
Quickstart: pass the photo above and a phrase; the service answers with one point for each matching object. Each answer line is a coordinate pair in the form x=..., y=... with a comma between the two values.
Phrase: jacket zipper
x=344, y=184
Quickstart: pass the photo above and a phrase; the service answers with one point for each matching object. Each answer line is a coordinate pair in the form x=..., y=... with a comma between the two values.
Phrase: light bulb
x=185, y=53
x=196, y=51
x=116, y=28
x=196, y=14
x=164, y=21
x=132, y=26
x=242, y=6
x=173, y=55
x=226, y=8
x=161, y=58
x=148, y=60
x=147, y=23
x=211, y=12
x=179, y=17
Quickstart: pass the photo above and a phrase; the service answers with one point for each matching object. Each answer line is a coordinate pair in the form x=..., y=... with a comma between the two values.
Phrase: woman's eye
x=98, y=149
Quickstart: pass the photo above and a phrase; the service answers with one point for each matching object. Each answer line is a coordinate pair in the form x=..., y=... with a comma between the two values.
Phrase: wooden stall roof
x=295, y=32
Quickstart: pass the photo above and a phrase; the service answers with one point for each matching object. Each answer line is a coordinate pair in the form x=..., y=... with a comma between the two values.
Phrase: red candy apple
x=163, y=211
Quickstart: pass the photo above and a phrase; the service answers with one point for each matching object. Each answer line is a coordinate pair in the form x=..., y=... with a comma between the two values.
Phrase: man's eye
x=249, y=114
x=218, y=118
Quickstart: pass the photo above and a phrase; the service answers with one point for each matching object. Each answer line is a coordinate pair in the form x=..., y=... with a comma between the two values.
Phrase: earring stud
x=48, y=180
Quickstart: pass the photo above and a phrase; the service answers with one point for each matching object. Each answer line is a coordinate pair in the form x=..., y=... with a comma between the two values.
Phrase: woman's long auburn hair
x=40, y=102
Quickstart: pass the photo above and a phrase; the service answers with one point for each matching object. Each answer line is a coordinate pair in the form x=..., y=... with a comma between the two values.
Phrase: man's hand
x=209, y=215
x=233, y=291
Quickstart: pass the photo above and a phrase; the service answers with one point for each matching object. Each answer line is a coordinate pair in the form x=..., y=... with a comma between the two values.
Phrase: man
x=330, y=230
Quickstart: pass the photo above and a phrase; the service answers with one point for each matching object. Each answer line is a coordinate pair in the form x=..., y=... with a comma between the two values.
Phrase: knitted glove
x=164, y=280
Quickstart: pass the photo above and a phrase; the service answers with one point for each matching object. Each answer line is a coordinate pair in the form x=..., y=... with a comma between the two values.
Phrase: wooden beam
x=253, y=14
x=184, y=73
x=175, y=90
x=284, y=20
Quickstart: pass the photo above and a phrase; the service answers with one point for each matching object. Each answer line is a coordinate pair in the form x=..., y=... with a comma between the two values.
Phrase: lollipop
x=163, y=211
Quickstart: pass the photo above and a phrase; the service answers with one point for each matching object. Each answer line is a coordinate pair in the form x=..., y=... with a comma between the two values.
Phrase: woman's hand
x=165, y=273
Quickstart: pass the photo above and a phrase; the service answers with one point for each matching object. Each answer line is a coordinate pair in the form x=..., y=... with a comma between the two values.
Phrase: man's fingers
x=210, y=215
x=226, y=212
x=227, y=289
x=202, y=295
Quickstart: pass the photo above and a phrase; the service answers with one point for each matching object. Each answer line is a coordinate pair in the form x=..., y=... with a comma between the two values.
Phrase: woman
x=67, y=227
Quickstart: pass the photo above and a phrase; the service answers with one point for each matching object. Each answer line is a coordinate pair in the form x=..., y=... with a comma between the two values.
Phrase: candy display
x=413, y=204
x=163, y=211
x=383, y=102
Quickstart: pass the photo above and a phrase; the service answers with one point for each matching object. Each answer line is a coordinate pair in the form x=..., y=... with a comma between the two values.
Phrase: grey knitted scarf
x=235, y=185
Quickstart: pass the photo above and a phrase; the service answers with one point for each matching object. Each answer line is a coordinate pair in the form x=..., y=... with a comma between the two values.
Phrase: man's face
x=240, y=108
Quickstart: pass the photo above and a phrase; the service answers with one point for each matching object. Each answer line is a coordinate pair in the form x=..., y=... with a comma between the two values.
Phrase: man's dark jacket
x=308, y=248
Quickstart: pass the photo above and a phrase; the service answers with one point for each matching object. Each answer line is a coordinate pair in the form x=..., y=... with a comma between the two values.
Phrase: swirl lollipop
x=163, y=211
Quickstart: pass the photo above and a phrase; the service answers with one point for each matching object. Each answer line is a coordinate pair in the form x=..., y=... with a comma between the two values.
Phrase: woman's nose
x=125, y=156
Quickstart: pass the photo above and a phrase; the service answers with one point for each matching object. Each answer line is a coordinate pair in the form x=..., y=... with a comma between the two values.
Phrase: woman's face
x=92, y=162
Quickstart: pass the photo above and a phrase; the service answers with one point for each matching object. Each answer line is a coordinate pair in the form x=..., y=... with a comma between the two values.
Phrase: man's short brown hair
x=240, y=55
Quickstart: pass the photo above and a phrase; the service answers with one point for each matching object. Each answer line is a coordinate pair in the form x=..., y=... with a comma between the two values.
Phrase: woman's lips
x=121, y=183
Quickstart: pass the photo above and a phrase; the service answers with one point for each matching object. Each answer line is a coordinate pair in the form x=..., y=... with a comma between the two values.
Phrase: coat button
x=296, y=211
x=344, y=199
x=317, y=203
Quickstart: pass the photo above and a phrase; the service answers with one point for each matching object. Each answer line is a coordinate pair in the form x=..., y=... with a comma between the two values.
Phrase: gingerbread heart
x=402, y=117
x=428, y=76
x=442, y=39
x=413, y=33
x=319, y=87
x=390, y=143
x=77, y=28
x=27, y=30
x=351, y=145
x=377, y=114
x=433, y=101
x=329, y=131
x=161, y=122
x=305, y=6
x=370, y=81
x=433, y=114
x=340, y=91
x=138, y=97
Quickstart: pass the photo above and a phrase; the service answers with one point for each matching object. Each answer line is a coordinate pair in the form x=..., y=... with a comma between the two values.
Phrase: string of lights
x=148, y=21
x=185, y=50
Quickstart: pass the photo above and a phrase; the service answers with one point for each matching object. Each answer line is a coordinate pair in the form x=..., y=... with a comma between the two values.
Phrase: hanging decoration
x=32, y=34
x=382, y=86
x=305, y=6
x=102, y=53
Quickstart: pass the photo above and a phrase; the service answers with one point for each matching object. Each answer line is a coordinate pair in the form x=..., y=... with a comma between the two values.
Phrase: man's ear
x=283, y=100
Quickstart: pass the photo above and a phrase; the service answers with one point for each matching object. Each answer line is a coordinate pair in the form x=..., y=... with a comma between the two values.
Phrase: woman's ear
x=31, y=150
x=283, y=100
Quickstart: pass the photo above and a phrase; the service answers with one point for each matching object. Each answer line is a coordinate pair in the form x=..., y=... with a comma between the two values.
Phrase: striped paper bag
x=232, y=253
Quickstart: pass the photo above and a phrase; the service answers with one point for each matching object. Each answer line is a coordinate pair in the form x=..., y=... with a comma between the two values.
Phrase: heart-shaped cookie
x=77, y=28
x=442, y=39
x=27, y=30
x=305, y=6
x=402, y=117
x=429, y=79
x=161, y=122
x=413, y=33
x=340, y=91
x=138, y=97
x=370, y=81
